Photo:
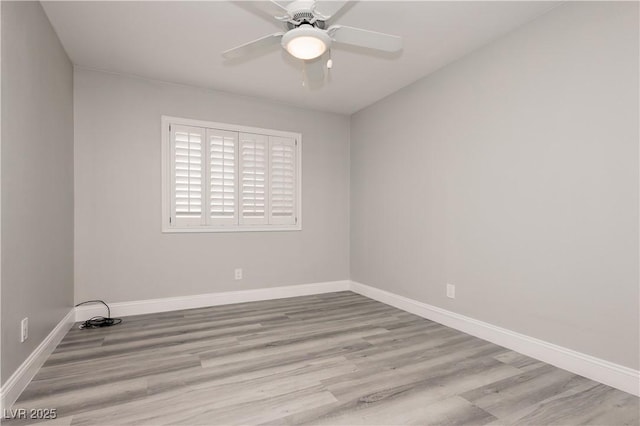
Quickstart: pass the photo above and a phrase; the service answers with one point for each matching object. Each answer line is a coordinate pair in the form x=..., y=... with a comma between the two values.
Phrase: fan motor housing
x=302, y=12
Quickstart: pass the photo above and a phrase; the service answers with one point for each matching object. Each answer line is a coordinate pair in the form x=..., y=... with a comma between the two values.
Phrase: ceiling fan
x=309, y=33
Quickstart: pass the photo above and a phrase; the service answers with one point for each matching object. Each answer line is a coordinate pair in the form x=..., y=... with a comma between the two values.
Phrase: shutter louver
x=253, y=175
x=282, y=177
x=222, y=176
x=187, y=147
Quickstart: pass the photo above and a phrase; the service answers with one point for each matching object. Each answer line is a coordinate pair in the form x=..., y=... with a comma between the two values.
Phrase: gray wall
x=513, y=174
x=121, y=253
x=37, y=180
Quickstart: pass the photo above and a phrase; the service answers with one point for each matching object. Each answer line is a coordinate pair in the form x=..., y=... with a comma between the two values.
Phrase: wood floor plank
x=414, y=409
x=588, y=404
x=335, y=358
x=524, y=390
x=79, y=400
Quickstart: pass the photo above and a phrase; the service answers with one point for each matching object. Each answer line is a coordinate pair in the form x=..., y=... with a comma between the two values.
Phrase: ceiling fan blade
x=314, y=70
x=330, y=9
x=365, y=38
x=252, y=46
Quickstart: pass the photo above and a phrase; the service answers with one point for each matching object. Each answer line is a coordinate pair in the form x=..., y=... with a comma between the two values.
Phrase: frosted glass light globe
x=306, y=42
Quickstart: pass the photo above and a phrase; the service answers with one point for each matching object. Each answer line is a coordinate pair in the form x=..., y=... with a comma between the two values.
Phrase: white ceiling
x=181, y=42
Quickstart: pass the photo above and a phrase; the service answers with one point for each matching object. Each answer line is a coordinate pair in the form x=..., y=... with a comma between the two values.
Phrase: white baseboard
x=614, y=375
x=28, y=369
x=149, y=306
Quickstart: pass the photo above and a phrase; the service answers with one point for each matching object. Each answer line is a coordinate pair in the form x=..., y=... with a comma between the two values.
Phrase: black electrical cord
x=98, y=322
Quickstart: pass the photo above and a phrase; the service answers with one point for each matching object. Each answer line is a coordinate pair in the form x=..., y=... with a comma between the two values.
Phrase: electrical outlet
x=238, y=273
x=451, y=291
x=24, y=329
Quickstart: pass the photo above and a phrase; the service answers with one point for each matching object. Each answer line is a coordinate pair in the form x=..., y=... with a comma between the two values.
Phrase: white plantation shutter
x=253, y=178
x=187, y=175
x=220, y=177
x=223, y=168
x=282, y=180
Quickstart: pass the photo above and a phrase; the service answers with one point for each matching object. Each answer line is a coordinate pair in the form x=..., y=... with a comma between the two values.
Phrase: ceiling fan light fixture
x=306, y=47
x=306, y=42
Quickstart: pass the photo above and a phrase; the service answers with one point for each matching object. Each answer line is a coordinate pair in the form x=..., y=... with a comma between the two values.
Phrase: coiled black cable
x=98, y=321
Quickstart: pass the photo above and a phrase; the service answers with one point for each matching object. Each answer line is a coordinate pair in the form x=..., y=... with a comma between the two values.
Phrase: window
x=221, y=177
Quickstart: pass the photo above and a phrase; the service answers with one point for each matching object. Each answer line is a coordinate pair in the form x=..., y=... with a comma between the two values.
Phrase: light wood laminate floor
x=337, y=358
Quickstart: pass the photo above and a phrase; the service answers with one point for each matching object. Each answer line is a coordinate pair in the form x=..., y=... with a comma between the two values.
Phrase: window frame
x=167, y=172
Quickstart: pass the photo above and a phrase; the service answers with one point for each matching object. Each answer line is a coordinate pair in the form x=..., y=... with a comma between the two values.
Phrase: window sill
x=257, y=228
